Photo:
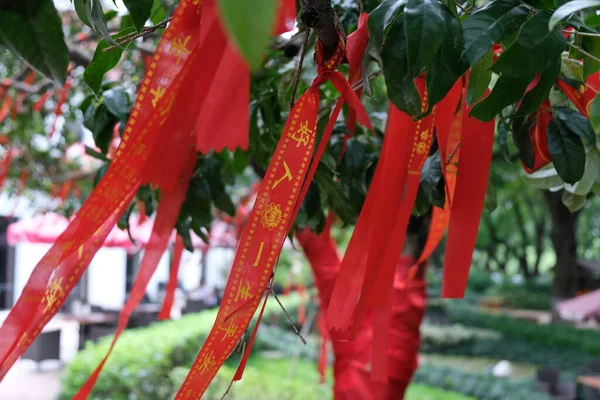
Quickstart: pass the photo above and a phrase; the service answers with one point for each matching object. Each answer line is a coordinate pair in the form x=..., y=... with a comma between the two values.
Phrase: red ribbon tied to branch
x=279, y=197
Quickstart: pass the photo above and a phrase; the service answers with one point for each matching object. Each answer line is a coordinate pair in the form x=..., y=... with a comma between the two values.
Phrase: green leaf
x=521, y=127
x=100, y=121
x=401, y=88
x=533, y=51
x=567, y=151
x=140, y=11
x=545, y=179
x=490, y=25
x=96, y=18
x=590, y=66
x=569, y=8
x=432, y=181
x=223, y=202
x=572, y=201
x=250, y=24
x=445, y=69
x=576, y=123
x=590, y=176
x=595, y=113
x=158, y=13
x=541, y=91
x=96, y=154
x=35, y=34
x=117, y=102
x=380, y=19
x=480, y=78
x=424, y=30
x=102, y=63
x=507, y=91
x=81, y=7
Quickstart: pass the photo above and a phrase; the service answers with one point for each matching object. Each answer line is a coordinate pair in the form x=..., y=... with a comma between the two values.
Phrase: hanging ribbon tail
x=58, y=271
x=471, y=184
x=583, y=98
x=356, y=46
x=448, y=123
x=165, y=311
x=260, y=243
x=5, y=109
x=539, y=138
x=242, y=366
x=224, y=118
x=187, y=104
x=166, y=216
x=350, y=97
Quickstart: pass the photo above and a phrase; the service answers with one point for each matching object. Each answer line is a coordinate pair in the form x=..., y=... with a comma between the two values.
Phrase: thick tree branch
x=319, y=15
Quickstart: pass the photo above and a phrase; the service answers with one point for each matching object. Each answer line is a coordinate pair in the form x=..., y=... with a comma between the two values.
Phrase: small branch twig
x=135, y=35
x=289, y=317
x=299, y=69
x=582, y=33
x=452, y=154
x=582, y=51
x=462, y=8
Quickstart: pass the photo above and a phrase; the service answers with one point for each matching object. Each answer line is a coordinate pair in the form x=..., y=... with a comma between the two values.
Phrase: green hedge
x=528, y=296
x=482, y=387
x=141, y=364
x=556, y=336
x=473, y=342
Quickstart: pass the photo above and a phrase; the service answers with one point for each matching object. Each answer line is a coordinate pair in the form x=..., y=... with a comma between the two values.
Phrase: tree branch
x=319, y=15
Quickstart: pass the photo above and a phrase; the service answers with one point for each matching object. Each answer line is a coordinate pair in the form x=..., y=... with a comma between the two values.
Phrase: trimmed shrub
x=141, y=364
x=480, y=386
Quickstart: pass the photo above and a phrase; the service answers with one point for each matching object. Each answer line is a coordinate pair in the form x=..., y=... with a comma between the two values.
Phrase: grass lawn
x=421, y=392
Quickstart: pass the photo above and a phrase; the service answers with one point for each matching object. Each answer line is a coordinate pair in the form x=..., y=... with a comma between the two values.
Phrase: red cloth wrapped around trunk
x=352, y=363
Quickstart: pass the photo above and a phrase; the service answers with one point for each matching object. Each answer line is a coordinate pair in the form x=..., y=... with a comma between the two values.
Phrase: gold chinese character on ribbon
x=424, y=135
x=243, y=292
x=229, y=331
x=157, y=93
x=179, y=48
x=271, y=216
x=421, y=147
x=54, y=293
x=301, y=135
x=207, y=363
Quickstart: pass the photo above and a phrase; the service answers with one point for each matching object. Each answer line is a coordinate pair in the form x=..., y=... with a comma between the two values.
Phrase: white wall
x=106, y=273
x=106, y=278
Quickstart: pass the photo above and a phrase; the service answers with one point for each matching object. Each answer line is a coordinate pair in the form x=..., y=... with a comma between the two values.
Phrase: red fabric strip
x=5, y=109
x=471, y=184
x=582, y=99
x=166, y=216
x=56, y=274
x=165, y=311
x=287, y=16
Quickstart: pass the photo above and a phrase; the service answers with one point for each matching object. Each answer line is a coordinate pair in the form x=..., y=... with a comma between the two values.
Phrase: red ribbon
x=287, y=16
x=539, y=137
x=165, y=311
x=5, y=109
x=448, y=125
x=56, y=274
x=279, y=197
x=583, y=97
x=471, y=184
x=38, y=105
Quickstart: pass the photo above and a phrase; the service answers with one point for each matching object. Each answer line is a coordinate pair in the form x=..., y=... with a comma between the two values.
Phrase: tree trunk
x=565, y=246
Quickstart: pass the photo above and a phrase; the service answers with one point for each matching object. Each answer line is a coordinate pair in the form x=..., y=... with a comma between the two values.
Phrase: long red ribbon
x=58, y=271
x=448, y=123
x=279, y=196
x=166, y=216
x=471, y=185
x=582, y=98
x=165, y=311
